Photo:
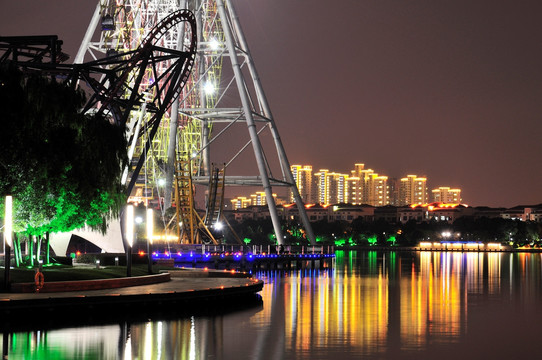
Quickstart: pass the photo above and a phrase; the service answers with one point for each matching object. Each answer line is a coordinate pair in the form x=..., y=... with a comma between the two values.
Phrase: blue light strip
x=236, y=256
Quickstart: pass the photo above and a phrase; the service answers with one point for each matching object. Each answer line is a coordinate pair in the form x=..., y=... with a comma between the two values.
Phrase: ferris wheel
x=118, y=27
x=222, y=91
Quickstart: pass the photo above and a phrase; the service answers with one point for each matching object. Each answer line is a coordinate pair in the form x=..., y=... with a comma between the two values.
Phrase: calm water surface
x=371, y=305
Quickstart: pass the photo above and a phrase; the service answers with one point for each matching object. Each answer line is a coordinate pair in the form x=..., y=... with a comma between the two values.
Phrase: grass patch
x=69, y=273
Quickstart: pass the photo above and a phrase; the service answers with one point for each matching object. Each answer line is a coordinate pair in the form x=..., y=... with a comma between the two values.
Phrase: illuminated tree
x=62, y=167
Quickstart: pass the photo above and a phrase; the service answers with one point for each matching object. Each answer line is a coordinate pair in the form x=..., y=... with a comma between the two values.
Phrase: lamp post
x=150, y=231
x=129, y=231
x=8, y=240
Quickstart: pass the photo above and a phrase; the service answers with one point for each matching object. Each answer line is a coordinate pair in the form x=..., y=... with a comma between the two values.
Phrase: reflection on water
x=371, y=304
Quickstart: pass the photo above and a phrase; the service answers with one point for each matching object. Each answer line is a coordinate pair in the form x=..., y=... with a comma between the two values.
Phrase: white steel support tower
x=223, y=93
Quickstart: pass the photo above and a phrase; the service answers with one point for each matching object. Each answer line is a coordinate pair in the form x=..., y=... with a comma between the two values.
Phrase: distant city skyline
x=360, y=186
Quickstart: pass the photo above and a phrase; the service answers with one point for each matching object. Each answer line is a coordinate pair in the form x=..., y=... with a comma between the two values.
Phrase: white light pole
x=129, y=231
x=150, y=231
x=8, y=239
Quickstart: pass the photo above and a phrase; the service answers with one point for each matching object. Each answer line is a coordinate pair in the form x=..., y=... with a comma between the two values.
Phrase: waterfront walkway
x=186, y=293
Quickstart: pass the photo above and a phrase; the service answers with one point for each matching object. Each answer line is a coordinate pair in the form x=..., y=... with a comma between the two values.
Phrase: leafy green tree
x=62, y=167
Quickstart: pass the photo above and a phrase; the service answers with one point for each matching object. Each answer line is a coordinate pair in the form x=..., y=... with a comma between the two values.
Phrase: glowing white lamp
x=130, y=224
x=150, y=225
x=8, y=221
x=209, y=88
x=214, y=44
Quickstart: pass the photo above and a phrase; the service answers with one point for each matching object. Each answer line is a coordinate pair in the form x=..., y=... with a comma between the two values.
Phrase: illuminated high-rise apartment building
x=447, y=195
x=339, y=193
x=378, y=190
x=367, y=187
x=413, y=190
x=304, y=180
x=354, y=190
x=332, y=187
x=259, y=199
x=256, y=199
x=240, y=202
x=355, y=185
x=322, y=185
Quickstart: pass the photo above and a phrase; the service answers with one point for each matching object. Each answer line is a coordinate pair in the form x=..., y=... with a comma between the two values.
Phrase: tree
x=62, y=167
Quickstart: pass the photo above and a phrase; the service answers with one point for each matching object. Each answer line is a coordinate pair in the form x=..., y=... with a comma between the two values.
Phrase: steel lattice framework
x=222, y=92
x=123, y=26
x=146, y=79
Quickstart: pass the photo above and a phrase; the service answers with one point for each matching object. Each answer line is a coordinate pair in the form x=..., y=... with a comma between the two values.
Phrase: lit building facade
x=332, y=187
x=322, y=185
x=378, y=190
x=259, y=199
x=355, y=185
x=367, y=187
x=447, y=195
x=413, y=190
x=304, y=180
x=240, y=202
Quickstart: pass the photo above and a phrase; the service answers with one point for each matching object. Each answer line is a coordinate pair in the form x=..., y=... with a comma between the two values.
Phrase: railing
x=244, y=249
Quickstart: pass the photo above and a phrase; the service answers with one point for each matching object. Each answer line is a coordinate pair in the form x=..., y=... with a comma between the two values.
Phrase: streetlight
x=8, y=240
x=150, y=231
x=129, y=231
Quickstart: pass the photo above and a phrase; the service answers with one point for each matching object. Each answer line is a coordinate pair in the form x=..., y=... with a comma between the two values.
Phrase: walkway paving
x=186, y=290
x=176, y=285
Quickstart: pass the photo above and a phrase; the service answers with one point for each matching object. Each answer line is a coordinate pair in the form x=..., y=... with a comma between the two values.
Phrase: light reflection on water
x=372, y=304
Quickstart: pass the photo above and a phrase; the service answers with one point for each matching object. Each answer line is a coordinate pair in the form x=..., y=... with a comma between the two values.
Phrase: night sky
x=446, y=89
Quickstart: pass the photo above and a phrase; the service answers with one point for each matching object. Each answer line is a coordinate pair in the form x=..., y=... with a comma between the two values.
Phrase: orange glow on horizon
x=436, y=206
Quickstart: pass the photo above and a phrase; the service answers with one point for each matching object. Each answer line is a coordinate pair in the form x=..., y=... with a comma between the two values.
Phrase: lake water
x=370, y=305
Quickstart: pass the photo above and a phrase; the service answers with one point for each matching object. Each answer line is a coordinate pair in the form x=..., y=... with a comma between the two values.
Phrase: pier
x=231, y=257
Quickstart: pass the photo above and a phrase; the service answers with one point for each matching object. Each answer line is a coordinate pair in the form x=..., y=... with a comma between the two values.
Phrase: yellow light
x=165, y=238
x=130, y=224
x=150, y=225
x=8, y=221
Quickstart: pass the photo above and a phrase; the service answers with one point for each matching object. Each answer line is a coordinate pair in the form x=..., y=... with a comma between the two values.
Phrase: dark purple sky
x=447, y=89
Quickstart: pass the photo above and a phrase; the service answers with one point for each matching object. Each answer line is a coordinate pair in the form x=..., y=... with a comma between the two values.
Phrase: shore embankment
x=177, y=293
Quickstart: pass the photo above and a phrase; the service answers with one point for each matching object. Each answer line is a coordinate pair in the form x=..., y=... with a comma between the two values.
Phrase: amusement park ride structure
x=140, y=62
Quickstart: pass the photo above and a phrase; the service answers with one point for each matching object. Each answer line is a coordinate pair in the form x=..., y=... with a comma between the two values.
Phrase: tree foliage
x=379, y=232
x=62, y=167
